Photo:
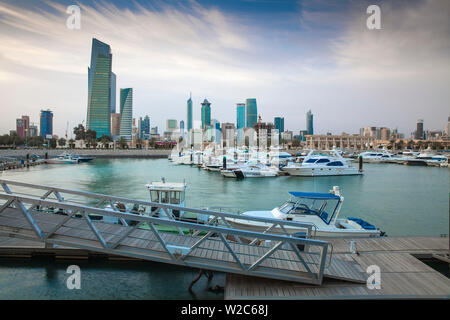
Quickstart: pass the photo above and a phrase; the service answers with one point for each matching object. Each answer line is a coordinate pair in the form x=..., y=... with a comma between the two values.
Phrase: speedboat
x=64, y=159
x=321, y=210
x=319, y=164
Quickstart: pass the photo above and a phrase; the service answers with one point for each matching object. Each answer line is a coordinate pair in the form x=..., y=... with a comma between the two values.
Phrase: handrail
x=308, y=226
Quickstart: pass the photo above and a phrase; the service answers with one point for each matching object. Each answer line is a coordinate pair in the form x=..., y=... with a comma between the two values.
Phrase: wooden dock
x=403, y=275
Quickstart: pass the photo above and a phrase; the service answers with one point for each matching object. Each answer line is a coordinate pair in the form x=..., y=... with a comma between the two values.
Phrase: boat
x=325, y=163
x=250, y=170
x=75, y=157
x=376, y=156
x=321, y=210
x=427, y=158
x=66, y=159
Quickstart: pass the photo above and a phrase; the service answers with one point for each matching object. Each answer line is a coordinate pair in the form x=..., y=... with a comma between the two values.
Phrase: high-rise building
x=206, y=114
x=419, y=130
x=171, y=125
x=448, y=127
x=34, y=131
x=113, y=92
x=240, y=115
x=182, y=127
x=385, y=133
x=189, y=113
x=46, y=123
x=23, y=126
x=145, y=128
x=100, y=86
x=310, y=122
x=251, y=113
x=126, y=113
x=279, y=125
x=115, y=124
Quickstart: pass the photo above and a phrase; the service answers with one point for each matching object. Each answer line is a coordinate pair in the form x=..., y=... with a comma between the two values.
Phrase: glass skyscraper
x=113, y=92
x=240, y=115
x=126, y=112
x=189, y=113
x=206, y=114
x=309, y=122
x=279, y=125
x=251, y=113
x=46, y=123
x=100, y=84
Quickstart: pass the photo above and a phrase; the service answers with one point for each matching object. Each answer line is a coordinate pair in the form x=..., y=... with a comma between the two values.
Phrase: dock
x=403, y=275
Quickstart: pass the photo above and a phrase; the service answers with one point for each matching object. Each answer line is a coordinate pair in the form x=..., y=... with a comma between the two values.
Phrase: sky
x=291, y=56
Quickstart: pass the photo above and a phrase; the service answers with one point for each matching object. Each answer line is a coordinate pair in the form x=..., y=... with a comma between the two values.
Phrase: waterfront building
x=310, y=122
x=419, y=130
x=228, y=130
x=287, y=136
x=144, y=128
x=113, y=93
x=326, y=142
x=189, y=113
x=171, y=125
x=182, y=128
x=46, y=120
x=23, y=126
x=264, y=131
x=206, y=114
x=279, y=125
x=100, y=84
x=34, y=131
x=218, y=132
x=115, y=124
x=251, y=113
x=385, y=133
x=240, y=115
x=126, y=113
x=303, y=134
x=154, y=130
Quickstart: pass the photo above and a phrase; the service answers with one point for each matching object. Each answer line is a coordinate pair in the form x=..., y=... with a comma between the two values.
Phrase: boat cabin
x=167, y=193
x=326, y=206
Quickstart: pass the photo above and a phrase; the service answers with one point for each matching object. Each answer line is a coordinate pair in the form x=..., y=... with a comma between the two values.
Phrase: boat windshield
x=306, y=206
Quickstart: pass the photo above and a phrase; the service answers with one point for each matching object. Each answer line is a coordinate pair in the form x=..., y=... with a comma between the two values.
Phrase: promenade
x=98, y=153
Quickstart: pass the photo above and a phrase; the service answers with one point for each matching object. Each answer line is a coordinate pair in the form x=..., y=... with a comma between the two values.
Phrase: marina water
x=400, y=200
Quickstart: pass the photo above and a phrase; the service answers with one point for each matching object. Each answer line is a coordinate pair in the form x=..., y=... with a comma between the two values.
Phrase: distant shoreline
x=97, y=153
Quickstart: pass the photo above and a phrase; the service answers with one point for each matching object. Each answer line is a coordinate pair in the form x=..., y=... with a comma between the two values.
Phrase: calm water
x=400, y=200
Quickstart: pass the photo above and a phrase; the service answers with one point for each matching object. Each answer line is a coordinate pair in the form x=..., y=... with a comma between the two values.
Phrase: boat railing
x=309, y=253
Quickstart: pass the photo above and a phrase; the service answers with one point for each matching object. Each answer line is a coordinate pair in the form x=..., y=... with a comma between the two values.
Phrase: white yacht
x=325, y=163
x=377, y=156
x=319, y=209
x=250, y=170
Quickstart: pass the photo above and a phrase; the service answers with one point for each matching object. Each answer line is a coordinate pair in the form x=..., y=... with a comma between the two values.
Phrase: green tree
x=122, y=143
x=105, y=140
x=79, y=132
x=52, y=143
x=62, y=142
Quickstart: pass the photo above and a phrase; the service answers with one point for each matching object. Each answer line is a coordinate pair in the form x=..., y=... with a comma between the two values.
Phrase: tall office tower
x=100, y=85
x=279, y=125
x=206, y=114
x=113, y=92
x=126, y=113
x=448, y=127
x=419, y=130
x=251, y=113
x=182, y=127
x=115, y=124
x=46, y=123
x=189, y=113
x=145, y=128
x=310, y=122
x=240, y=115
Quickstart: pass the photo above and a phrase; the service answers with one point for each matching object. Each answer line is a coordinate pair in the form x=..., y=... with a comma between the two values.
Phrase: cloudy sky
x=291, y=56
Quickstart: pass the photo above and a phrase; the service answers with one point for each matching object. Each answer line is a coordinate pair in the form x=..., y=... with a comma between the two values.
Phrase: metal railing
x=212, y=243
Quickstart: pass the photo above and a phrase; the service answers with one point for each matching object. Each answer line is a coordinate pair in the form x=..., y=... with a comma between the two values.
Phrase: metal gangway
x=79, y=219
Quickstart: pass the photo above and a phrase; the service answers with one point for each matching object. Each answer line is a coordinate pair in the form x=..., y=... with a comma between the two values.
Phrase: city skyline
x=347, y=86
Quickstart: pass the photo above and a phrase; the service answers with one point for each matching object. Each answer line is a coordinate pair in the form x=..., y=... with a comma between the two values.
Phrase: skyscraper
x=189, y=113
x=279, y=125
x=46, y=123
x=206, y=114
x=240, y=115
x=419, y=130
x=23, y=126
x=115, y=124
x=309, y=122
x=113, y=92
x=251, y=113
x=100, y=85
x=126, y=112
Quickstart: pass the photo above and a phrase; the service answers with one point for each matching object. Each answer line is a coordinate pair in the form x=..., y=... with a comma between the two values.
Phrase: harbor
x=409, y=240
